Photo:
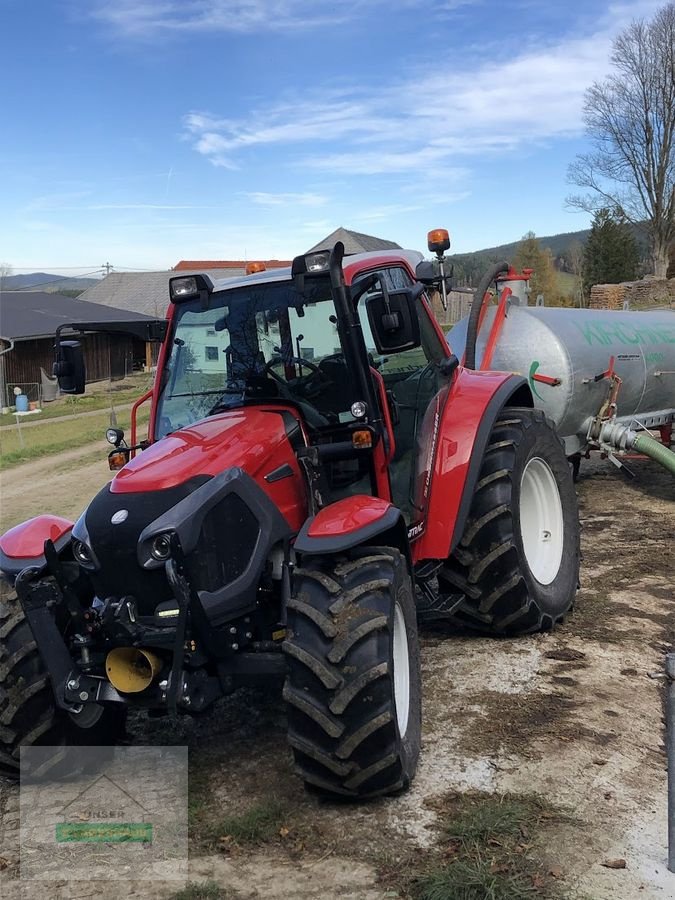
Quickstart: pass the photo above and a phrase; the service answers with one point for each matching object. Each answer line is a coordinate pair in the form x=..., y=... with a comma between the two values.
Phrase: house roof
x=238, y=264
x=142, y=292
x=36, y=314
x=148, y=292
x=354, y=241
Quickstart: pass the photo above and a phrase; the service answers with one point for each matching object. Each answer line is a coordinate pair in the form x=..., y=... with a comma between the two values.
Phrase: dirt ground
x=575, y=716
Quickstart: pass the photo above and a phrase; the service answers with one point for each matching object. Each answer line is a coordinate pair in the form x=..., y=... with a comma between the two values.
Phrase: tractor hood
x=253, y=439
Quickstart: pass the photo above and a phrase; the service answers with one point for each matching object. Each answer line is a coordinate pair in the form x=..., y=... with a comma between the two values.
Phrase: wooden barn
x=28, y=323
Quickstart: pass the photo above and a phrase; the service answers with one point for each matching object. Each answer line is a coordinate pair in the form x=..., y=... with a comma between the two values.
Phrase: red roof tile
x=198, y=264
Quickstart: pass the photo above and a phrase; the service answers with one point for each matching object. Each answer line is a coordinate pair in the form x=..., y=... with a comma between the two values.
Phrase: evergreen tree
x=611, y=253
x=531, y=255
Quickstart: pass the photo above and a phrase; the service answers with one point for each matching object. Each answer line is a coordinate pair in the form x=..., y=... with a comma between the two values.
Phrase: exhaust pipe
x=131, y=670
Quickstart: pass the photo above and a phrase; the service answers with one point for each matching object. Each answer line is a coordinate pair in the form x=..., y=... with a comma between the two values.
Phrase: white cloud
x=263, y=198
x=438, y=117
x=151, y=18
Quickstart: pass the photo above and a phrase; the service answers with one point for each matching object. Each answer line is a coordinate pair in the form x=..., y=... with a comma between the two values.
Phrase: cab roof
x=351, y=264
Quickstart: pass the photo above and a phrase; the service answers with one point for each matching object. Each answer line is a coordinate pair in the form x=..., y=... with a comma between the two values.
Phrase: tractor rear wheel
x=29, y=716
x=353, y=690
x=517, y=564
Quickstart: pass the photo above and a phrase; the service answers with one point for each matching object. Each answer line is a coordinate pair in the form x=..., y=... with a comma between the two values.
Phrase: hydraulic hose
x=474, y=315
x=656, y=451
x=624, y=438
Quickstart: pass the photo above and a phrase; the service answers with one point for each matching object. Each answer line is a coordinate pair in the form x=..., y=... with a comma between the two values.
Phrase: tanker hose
x=474, y=315
x=659, y=452
x=624, y=438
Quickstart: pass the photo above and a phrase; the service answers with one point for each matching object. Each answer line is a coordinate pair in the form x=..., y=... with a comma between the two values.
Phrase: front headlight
x=154, y=551
x=81, y=545
x=160, y=549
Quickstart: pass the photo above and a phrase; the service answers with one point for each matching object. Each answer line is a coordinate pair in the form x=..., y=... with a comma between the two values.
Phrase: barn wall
x=105, y=357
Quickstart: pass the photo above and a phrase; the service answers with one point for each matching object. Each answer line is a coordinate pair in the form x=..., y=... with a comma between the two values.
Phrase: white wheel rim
x=541, y=520
x=401, y=664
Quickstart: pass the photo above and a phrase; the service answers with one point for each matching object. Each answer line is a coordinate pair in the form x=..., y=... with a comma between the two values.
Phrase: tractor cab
x=357, y=363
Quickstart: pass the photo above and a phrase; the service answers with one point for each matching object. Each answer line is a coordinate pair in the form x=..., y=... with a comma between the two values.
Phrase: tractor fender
x=473, y=405
x=351, y=522
x=24, y=545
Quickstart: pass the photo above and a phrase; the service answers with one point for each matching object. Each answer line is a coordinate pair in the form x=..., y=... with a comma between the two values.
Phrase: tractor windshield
x=257, y=343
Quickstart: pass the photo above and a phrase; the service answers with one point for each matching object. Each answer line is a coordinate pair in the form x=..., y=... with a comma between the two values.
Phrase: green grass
x=496, y=818
x=54, y=437
x=489, y=848
x=566, y=283
x=97, y=396
x=474, y=879
x=259, y=824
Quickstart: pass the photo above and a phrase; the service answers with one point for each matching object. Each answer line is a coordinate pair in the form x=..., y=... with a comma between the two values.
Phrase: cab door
x=418, y=388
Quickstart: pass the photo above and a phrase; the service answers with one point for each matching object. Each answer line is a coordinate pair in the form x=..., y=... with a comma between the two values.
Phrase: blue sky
x=142, y=132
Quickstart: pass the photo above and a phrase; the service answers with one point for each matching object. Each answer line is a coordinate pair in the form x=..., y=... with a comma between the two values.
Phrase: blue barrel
x=21, y=403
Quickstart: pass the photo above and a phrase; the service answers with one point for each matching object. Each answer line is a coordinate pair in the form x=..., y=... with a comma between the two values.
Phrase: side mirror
x=429, y=273
x=69, y=367
x=393, y=320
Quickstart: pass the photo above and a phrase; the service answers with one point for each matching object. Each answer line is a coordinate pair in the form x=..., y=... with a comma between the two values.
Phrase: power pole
x=108, y=267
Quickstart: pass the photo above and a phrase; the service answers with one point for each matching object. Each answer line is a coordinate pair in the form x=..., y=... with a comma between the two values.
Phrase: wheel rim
x=541, y=520
x=401, y=664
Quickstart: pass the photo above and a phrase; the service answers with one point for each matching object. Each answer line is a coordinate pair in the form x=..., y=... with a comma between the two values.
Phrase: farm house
x=28, y=323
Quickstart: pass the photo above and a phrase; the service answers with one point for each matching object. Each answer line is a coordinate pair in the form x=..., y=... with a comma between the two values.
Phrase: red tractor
x=320, y=473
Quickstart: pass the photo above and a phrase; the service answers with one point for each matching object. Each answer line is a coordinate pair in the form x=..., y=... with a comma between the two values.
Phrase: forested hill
x=470, y=266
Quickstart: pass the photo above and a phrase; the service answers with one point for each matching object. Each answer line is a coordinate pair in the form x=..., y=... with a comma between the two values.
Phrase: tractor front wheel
x=353, y=689
x=517, y=564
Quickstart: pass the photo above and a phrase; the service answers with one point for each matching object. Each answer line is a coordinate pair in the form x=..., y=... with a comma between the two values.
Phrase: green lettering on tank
x=666, y=332
x=590, y=334
x=622, y=332
x=623, y=337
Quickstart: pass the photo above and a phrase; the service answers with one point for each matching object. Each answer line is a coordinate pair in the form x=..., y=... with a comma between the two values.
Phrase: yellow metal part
x=132, y=670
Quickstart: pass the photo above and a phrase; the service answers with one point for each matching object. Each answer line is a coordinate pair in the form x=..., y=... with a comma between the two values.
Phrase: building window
x=210, y=332
x=211, y=354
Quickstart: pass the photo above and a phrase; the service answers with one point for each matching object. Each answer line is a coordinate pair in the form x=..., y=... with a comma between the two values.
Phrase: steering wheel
x=301, y=382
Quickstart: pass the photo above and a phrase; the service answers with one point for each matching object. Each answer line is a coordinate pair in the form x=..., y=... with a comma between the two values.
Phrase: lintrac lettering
x=622, y=332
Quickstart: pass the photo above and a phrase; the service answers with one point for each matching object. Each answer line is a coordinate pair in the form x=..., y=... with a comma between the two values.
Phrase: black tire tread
x=343, y=734
x=485, y=565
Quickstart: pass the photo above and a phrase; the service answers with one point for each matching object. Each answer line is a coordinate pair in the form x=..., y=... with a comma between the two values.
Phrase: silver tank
x=575, y=345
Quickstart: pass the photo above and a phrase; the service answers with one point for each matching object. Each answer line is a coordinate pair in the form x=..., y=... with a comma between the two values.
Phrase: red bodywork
x=255, y=439
x=348, y=515
x=449, y=430
x=27, y=540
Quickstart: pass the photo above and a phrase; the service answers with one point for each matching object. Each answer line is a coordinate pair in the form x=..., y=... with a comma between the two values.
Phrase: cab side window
x=414, y=379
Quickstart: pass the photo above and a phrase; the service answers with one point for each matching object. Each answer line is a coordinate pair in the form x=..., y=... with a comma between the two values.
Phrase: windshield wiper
x=201, y=393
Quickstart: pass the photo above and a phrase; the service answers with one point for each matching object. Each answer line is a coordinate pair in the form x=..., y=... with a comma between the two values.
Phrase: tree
x=611, y=253
x=575, y=265
x=5, y=271
x=630, y=120
x=531, y=255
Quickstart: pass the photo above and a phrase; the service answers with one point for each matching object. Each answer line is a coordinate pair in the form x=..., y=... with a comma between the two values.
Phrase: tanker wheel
x=517, y=564
x=29, y=716
x=353, y=689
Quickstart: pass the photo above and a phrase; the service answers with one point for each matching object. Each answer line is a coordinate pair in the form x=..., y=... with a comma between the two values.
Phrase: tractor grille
x=120, y=574
x=226, y=543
